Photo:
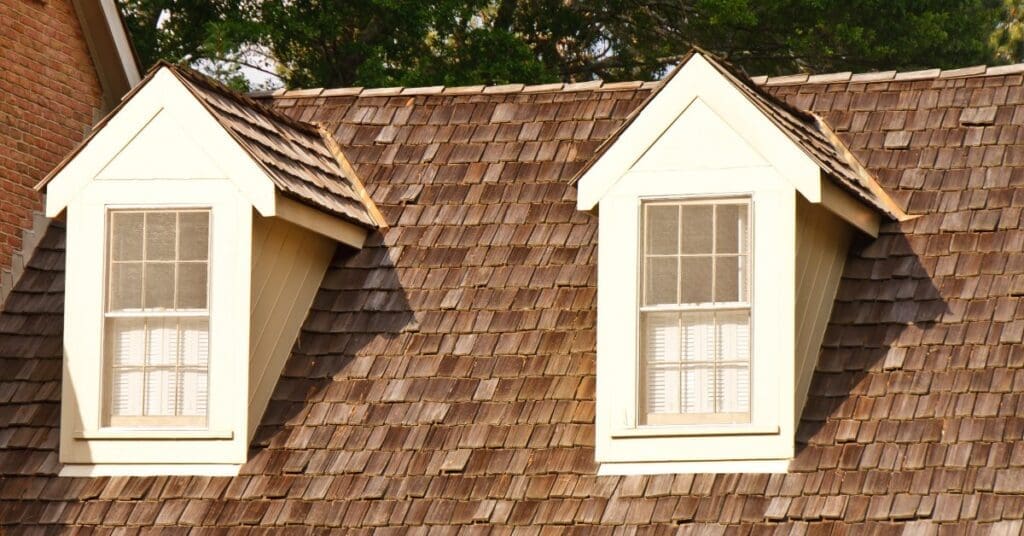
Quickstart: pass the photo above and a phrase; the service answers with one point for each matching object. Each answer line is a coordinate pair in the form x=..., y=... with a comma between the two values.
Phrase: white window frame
x=86, y=437
x=685, y=419
x=111, y=421
x=622, y=443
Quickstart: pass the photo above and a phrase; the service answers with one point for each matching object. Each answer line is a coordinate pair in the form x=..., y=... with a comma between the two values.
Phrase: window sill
x=149, y=469
x=696, y=430
x=151, y=433
x=669, y=468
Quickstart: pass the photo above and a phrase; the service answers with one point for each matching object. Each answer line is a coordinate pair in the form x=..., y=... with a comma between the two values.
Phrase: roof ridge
x=562, y=87
x=972, y=71
x=557, y=87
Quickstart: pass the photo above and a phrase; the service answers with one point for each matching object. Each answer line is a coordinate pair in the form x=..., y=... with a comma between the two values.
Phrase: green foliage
x=1007, y=41
x=333, y=43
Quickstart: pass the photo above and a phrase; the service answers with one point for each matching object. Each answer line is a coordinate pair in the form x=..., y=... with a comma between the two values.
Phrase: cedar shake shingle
x=445, y=374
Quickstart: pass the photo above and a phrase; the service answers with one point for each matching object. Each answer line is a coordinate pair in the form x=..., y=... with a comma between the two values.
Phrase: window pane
x=698, y=389
x=192, y=285
x=731, y=229
x=161, y=391
x=195, y=342
x=159, y=286
x=125, y=286
x=729, y=281
x=193, y=392
x=162, y=346
x=662, y=278
x=662, y=229
x=126, y=398
x=194, y=234
x=734, y=389
x=696, y=279
x=160, y=231
x=733, y=336
x=698, y=330
x=696, y=228
x=126, y=236
x=662, y=388
x=126, y=338
x=662, y=338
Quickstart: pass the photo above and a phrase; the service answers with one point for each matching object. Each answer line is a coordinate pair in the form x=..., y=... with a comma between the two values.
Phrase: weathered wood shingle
x=295, y=155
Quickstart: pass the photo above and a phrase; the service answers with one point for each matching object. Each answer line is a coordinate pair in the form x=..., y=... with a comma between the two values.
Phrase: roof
x=803, y=128
x=113, y=54
x=445, y=376
x=296, y=156
x=818, y=141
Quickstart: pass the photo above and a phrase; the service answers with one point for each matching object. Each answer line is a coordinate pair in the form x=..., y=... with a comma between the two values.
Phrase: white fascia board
x=699, y=79
x=164, y=94
x=124, y=48
x=320, y=222
x=862, y=217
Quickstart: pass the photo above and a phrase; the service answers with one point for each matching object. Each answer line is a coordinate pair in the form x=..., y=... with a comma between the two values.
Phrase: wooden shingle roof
x=445, y=376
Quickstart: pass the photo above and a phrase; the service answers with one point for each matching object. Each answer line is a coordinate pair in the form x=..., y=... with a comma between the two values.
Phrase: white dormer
x=724, y=222
x=199, y=229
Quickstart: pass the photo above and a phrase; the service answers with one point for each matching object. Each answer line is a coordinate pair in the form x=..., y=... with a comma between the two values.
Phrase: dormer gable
x=711, y=117
x=728, y=215
x=200, y=225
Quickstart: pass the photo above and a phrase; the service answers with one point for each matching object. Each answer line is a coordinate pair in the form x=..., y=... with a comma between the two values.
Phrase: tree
x=1007, y=40
x=334, y=43
x=212, y=34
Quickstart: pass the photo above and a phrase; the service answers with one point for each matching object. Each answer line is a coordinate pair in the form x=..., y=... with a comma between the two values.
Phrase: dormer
x=724, y=221
x=200, y=226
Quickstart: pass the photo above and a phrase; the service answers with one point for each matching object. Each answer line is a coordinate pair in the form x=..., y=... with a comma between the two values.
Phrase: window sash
x=694, y=370
x=743, y=255
x=182, y=369
x=680, y=363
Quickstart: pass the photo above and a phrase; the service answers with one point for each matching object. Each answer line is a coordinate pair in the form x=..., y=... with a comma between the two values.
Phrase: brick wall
x=49, y=93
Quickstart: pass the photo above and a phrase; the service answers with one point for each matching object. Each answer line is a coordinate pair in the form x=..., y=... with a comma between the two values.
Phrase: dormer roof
x=806, y=130
x=302, y=161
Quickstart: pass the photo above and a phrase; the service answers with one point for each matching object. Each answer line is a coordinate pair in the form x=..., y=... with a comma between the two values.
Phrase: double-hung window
x=695, y=313
x=157, y=318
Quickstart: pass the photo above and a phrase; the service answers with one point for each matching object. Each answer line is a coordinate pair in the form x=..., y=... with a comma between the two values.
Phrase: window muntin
x=695, y=312
x=157, y=317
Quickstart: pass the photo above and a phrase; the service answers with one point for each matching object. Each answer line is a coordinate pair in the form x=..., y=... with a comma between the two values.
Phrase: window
x=157, y=318
x=695, y=312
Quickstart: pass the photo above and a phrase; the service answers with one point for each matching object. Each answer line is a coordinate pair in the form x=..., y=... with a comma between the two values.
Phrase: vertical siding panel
x=260, y=238
x=822, y=244
x=286, y=276
x=271, y=239
x=293, y=314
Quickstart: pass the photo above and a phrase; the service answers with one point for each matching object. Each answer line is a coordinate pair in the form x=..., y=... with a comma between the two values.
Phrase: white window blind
x=157, y=317
x=695, y=312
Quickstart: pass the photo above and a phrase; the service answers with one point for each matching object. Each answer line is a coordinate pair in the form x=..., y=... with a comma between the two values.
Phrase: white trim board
x=164, y=93
x=149, y=469
x=697, y=78
x=671, y=468
x=121, y=42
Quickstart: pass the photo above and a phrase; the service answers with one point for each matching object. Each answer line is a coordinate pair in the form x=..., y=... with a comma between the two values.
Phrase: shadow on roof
x=887, y=302
x=360, y=311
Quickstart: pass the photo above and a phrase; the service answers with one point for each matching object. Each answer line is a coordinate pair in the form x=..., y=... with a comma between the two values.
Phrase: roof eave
x=110, y=47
